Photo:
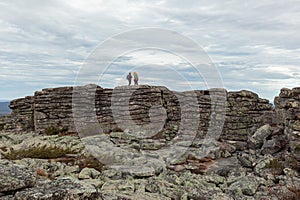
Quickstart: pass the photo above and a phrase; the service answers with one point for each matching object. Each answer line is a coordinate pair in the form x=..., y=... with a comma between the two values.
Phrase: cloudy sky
x=254, y=45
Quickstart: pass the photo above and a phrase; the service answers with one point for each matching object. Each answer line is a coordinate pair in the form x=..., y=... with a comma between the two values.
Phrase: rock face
x=243, y=114
x=119, y=156
x=52, y=108
x=6, y=123
x=288, y=109
x=23, y=113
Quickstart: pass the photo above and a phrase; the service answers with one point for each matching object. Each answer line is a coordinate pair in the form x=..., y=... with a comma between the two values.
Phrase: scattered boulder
x=247, y=159
x=243, y=186
x=274, y=145
x=258, y=138
x=89, y=173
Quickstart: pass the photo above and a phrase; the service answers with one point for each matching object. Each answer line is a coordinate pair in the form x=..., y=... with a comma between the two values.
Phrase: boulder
x=244, y=186
x=274, y=145
x=33, y=146
x=15, y=177
x=88, y=173
x=258, y=138
x=61, y=188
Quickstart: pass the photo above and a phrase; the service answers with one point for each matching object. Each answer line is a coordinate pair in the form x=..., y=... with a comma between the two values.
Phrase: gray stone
x=274, y=145
x=261, y=165
x=247, y=185
x=62, y=188
x=50, y=111
x=15, y=177
x=88, y=173
x=246, y=160
x=258, y=138
x=224, y=166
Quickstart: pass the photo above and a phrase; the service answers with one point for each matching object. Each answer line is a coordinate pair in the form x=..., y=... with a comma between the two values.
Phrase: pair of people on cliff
x=135, y=78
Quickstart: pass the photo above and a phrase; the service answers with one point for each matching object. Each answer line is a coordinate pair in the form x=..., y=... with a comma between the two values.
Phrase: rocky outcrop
x=119, y=156
x=288, y=110
x=244, y=115
x=23, y=113
x=51, y=109
x=6, y=123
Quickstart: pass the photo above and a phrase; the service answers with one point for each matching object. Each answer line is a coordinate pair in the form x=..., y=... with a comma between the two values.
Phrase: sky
x=254, y=45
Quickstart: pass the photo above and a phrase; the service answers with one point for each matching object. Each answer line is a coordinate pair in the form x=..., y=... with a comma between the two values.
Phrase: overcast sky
x=255, y=45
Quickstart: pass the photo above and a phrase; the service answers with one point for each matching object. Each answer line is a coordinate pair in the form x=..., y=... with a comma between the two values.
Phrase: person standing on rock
x=135, y=78
x=129, y=77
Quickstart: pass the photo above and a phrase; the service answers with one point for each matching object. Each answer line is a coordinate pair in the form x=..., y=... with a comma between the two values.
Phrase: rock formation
x=53, y=108
x=69, y=143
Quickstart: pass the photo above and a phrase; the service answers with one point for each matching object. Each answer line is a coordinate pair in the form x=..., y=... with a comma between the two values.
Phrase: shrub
x=296, y=191
x=1, y=127
x=51, y=130
x=38, y=152
x=276, y=166
x=117, y=129
x=297, y=148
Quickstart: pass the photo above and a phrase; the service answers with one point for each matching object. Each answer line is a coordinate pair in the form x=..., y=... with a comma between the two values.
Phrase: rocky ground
x=62, y=167
x=257, y=155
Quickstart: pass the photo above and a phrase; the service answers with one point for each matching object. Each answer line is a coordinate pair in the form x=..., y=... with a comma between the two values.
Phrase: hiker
x=129, y=77
x=135, y=78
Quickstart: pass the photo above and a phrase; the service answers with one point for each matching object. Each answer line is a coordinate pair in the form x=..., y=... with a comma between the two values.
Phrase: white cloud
x=255, y=44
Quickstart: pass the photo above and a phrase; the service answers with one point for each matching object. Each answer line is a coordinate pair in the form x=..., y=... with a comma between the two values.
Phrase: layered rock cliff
x=53, y=107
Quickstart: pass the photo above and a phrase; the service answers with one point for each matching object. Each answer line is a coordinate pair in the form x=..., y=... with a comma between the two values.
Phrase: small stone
x=61, y=188
x=179, y=168
x=42, y=172
x=88, y=173
x=247, y=185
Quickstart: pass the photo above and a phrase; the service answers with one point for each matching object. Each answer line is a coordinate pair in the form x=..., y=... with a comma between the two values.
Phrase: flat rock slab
x=62, y=188
x=14, y=177
x=223, y=166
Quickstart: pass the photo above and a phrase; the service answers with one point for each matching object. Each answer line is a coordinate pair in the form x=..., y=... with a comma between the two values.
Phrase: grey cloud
x=53, y=38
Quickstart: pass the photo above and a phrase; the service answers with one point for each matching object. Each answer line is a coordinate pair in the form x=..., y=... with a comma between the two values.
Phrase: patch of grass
x=275, y=166
x=296, y=195
x=38, y=152
x=297, y=148
x=51, y=130
x=89, y=161
x=117, y=129
x=292, y=163
x=81, y=160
